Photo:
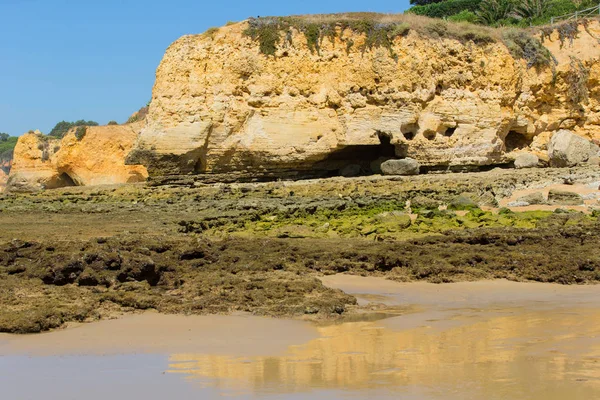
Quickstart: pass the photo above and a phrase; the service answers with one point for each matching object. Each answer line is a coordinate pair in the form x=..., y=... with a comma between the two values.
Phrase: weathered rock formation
x=221, y=105
x=3, y=179
x=526, y=160
x=5, y=167
x=406, y=166
x=568, y=150
x=97, y=158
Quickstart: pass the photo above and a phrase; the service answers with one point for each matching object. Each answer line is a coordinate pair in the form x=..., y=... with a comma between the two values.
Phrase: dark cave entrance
x=386, y=148
x=65, y=180
x=449, y=132
x=516, y=141
x=362, y=155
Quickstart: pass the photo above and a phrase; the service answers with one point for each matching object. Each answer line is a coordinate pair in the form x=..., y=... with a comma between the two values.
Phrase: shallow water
x=484, y=340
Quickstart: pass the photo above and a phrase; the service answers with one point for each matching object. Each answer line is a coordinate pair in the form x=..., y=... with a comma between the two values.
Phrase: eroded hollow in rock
x=386, y=148
x=516, y=141
x=409, y=135
x=65, y=180
x=361, y=155
x=449, y=132
x=430, y=135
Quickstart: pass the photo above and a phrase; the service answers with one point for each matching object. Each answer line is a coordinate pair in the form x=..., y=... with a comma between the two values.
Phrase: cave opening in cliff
x=360, y=155
x=386, y=148
x=65, y=180
x=449, y=132
x=516, y=141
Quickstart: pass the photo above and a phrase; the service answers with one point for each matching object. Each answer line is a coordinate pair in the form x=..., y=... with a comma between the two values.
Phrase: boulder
x=533, y=198
x=487, y=199
x=423, y=203
x=518, y=204
x=462, y=203
x=526, y=160
x=568, y=150
x=350, y=171
x=569, y=180
x=394, y=220
x=376, y=164
x=564, y=198
x=406, y=166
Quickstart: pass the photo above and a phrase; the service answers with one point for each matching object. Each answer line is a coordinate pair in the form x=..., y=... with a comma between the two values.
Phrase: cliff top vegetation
x=521, y=13
x=381, y=30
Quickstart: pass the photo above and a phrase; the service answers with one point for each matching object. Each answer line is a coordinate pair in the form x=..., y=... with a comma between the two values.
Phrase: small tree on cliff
x=63, y=127
x=4, y=137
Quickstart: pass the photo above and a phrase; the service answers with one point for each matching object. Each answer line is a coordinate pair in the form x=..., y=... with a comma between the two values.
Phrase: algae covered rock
x=462, y=203
x=395, y=218
x=406, y=166
x=423, y=203
x=564, y=198
x=533, y=198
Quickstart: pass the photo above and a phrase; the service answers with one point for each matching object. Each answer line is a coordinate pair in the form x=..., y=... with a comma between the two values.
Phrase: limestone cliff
x=91, y=157
x=3, y=179
x=220, y=104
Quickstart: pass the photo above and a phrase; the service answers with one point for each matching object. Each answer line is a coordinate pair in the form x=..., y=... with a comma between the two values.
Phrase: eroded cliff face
x=220, y=105
x=98, y=158
x=3, y=179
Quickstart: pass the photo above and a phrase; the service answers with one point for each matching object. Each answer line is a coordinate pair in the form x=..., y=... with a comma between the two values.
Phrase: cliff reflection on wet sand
x=483, y=354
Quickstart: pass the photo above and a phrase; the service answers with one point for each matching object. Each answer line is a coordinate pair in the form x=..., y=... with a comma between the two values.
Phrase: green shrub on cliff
x=576, y=79
x=524, y=46
x=445, y=8
x=61, y=128
x=80, y=132
x=464, y=16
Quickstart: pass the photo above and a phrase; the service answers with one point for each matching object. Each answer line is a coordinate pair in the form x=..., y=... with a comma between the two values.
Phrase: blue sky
x=95, y=59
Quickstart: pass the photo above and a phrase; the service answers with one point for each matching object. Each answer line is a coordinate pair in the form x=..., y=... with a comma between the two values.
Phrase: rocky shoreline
x=88, y=253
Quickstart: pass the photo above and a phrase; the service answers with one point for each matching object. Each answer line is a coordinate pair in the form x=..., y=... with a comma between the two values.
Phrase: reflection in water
x=511, y=353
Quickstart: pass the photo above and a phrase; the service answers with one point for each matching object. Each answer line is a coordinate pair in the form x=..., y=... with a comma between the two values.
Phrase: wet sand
x=465, y=294
x=472, y=340
x=163, y=334
x=484, y=340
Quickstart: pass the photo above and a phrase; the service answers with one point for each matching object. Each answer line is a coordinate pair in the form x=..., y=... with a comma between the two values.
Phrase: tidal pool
x=483, y=340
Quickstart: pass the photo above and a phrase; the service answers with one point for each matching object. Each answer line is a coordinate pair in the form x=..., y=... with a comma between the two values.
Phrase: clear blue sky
x=95, y=59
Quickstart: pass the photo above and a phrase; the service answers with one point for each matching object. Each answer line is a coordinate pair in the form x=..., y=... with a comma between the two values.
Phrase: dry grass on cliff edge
x=381, y=30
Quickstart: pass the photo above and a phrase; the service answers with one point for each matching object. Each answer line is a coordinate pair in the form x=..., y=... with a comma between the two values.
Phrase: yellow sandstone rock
x=42, y=162
x=221, y=105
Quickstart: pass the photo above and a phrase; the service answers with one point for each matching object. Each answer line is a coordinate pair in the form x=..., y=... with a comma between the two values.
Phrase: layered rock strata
x=220, y=105
x=96, y=157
